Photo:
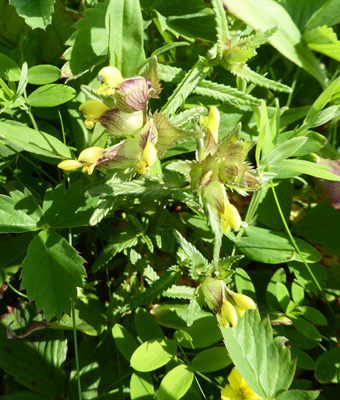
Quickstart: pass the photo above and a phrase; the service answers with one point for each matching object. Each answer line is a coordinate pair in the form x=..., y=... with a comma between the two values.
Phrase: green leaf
x=298, y=293
x=327, y=366
x=210, y=360
x=326, y=14
x=9, y=69
x=265, y=363
x=19, y=212
x=244, y=284
x=36, y=364
x=51, y=272
x=265, y=14
x=323, y=40
x=37, y=13
x=249, y=75
x=191, y=258
x=51, y=95
x=175, y=383
x=265, y=246
x=141, y=386
x=313, y=315
x=306, y=328
x=68, y=208
x=271, y=299
x=124, y=25
x=125, y=342
x=282, y=295
x=146, y=326
x=36, y=142
x=222, y=31
x=283, y=151
x=87, y=50
x=198, y=72
x=315, y=141
x=299, y=395
x=43, y=74
x=180, y=292
x=153, y=354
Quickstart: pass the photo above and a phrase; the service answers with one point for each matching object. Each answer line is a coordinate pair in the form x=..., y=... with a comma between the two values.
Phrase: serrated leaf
x=251, y=76
x=37, y=13
x=323, y=40
x=180, y=292
x=51, y=272
x=185, y=116
x=165, y=281
x=265, y=14
x=194, y=260
x=222, y=31
x=265, y=363
x=35, y=142
x=68, y=208
x=198, y=72
x=226, y=94
x=19, y=212
x=124, y=26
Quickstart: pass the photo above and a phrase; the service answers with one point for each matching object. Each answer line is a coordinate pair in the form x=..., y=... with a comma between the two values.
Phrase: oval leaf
x=9, y=69
x=43, y=74
x=212, y=359
x=175, y=383
x=51, y=95
x=141, y=386
x=153, y=354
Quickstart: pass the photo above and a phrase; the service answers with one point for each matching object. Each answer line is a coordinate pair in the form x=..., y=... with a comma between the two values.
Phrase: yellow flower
x=89, y=158
x=149, y=157
x=230, y=218
x=243, y=303
x=69, y=165
x=212, y=122
x=92, y=110
x=111, y=78
x=238, y=388
x=228, y=315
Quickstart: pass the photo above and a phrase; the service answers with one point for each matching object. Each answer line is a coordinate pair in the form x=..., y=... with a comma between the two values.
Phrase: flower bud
x=228, y=313
x=91, y=155
x=213, y=293
x=213, y=122
x=133, y=94
x=230, y=218
x=69, y=165
x=242, y=301
x=149, y=154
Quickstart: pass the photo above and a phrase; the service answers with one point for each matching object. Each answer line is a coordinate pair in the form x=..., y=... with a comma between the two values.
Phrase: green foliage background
x=100, y=275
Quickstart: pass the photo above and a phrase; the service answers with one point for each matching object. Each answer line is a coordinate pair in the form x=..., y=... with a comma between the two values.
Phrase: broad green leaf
x=323, y=40
x=326, y=14
x=332, y=91
x=124, y=26
x=191, y=257
x=146, y=326
x=51, y=95
x=37, y=13
x=198, y=72
x=283, y=151
x=19, y=212
x=9, y=70
x=125, y=342
x=299, y=395
x=153, y=354
x=34, y=141
x=51, y=272
x=271, y=299
x=87, y=50
x=141, y=386
x=296, y=167
x=305, y=327
x=12, y=252
x=265, y=246
x=282, y=295
x=43, y=74
x=175, y=383
x=265, y=14
x=327, y=366
x=313, y=315
x=244, y=284
x=303, y=360
x=211, y=359
x=68, y=208
x=36, y=364
x=265, y=363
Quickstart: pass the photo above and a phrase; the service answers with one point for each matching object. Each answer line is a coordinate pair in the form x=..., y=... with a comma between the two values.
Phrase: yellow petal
x=111, y=76
x=213, y=122
x=235, y=379
x=228, y=313
x=91, y=155
x=69, y=165
x=228, y=393
x=230, y=218
x=149, y=154
x=243, y=301
x=93, y=109
x=141, y=167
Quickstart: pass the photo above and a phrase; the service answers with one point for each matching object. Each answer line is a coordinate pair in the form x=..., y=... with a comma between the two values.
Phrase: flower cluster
x=148, y=136
x=219, y=166
x=238, y=388
x=227, y=304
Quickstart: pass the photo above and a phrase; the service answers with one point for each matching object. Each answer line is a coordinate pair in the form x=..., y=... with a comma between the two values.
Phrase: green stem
x=76, y=356
x=209, y=380
x=17, y=291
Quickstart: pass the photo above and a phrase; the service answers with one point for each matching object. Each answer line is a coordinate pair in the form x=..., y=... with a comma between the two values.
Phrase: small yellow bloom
x=212, y=122
x=111, y=78
x=230, y=218
x=238, y=388
x=89, y=157
x=92, y=110
x=228, y=315
x=243, y=303
x=69, y=165
x=149, y=157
